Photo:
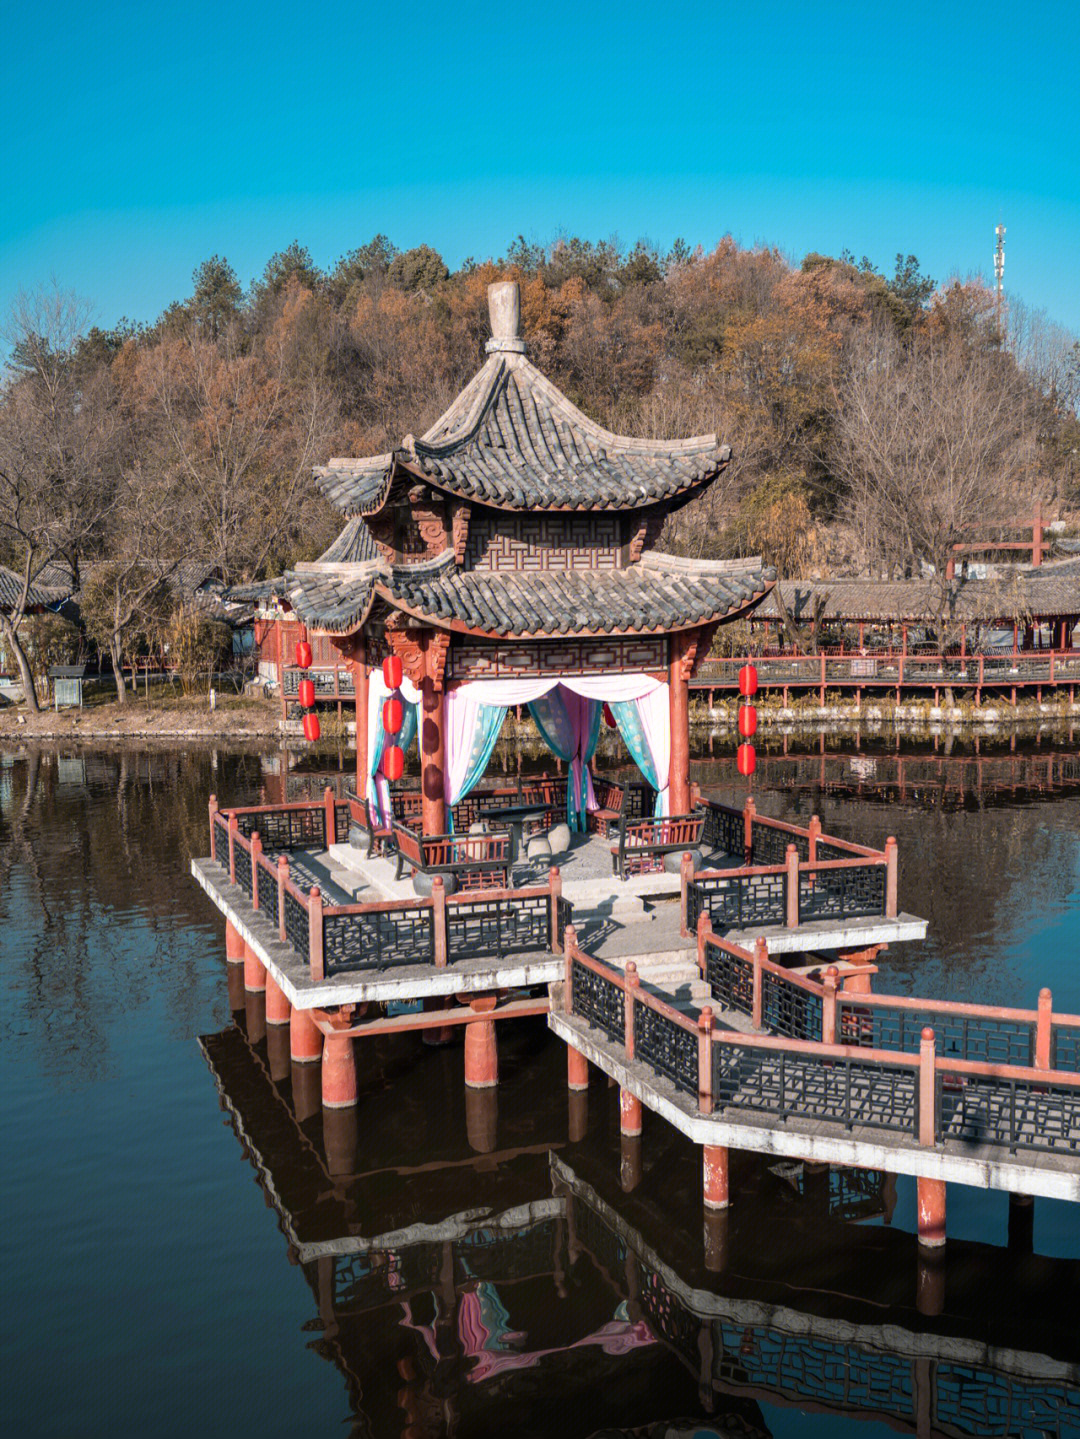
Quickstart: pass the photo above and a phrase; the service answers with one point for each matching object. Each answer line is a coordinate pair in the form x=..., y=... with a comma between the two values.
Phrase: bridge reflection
x=516, y=1266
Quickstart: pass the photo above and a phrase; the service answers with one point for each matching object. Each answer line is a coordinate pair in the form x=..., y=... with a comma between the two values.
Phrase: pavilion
x=508, y=557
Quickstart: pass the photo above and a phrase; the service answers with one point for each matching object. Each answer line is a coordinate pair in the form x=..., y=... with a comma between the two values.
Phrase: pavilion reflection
x=511, y=1266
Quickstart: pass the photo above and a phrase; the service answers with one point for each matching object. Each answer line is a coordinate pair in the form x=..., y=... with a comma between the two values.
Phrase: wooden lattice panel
x=529, y=543
x=475, y=661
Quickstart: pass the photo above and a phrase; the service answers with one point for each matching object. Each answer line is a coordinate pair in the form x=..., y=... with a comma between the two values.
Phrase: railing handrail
x=958, y=1007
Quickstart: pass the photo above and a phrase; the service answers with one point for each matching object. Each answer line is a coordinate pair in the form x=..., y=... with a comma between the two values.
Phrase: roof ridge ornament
x=504, y=312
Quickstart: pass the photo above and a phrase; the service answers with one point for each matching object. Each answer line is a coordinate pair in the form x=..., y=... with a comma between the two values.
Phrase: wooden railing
x=369, y=938
x=927, y=1096
x=892, y=670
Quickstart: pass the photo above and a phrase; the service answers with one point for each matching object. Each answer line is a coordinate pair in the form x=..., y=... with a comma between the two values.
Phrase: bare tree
x=57, y=451
x=934, y=441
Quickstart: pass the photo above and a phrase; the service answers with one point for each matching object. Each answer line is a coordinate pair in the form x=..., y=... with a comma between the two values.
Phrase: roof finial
x=504, y=308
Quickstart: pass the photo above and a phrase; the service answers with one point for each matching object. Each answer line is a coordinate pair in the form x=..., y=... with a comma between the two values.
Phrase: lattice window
x=748, y=899
x=268, y=893
x=243, y=868
x=556, y=657
x=730, y=979
x=297, y=930
x=598, y=1001
x=1065, y=1047
x=286, y=829
x=770, y=845
x=534, y=543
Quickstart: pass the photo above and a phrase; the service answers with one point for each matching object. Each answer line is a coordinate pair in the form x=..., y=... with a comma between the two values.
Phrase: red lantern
x=748, y=680
x=393, y=715
x=311, y=727
x=392, y=672
x=609, y=718
x=307, y=694
x=747, y=721
x=745, y=760
x=303, y=654
x=393, y=762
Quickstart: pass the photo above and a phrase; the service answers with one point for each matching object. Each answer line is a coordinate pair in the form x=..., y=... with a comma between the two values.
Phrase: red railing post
x=813, y=829
x=891, y=877
x=555, y=879
x=1043, y=1023
x=233, y=826
x=632, y=983
x=927, y=1090
x=438, y=920
x=569, y=943
x=695, y=795
x=282, y=878
x=828, y=1005
x=256, y=852
x=792, y=886
x=749, y=810
x=704, y=1061
x=315, y=934
x=757, y=1003
x=330, y=816
x=686, y=875
x=704, y=930
x=213, y=826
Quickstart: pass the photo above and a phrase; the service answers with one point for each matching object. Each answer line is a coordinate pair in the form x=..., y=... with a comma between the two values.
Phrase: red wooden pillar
x=577, y=1068
x=234, y=945
x=715, y=1174
x=360, y=687
x=433, y=758
x=338, y=1071
x=481, y=1049
x=629, y=1112
x=278, y=1008
x=679, y=712
x=305, y=1037
x=931, y=1195
x=254, y=971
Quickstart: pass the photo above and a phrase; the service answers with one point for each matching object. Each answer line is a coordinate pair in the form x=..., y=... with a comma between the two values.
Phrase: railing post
x=569, y=942
x=927, y=1090
x=315, y=934
x=814, y=831
x=891, y=875
x=704, y=1060
x=695, y=795
x=329, y=817
x=438, y=920
x=256, y=852
x=749, y=810
x=1043, y=1029
x=282, y=877
x=555, y=879
x=828, y=1005
x=233, y=826
x=632, y=982
x=686, y=874
x=792, y=863
x=757, y=1003
x=213, y=826
x=704, y=930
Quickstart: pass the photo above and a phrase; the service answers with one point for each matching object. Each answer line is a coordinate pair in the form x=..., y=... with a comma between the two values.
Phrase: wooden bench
x=604, y=820
x=643, y=843
x=475, y=861
x=405, y=806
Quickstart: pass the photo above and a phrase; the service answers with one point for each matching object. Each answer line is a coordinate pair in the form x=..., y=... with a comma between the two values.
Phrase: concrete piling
x=931, y=1203
x=629, y=1113
x=338, y=1071
x=715, y=1175
x=305, y=1038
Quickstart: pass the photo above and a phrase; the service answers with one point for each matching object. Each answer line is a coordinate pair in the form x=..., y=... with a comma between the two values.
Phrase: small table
x=514, y=817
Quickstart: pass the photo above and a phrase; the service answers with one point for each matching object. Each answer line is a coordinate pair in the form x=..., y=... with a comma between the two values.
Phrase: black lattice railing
x=1065, y=1047
x=848, y=893
x=361, y=1284
x=827, y=851
x=286, y=829
x=737, y=901
x=785, y=1083
x=242, y=859
x=598, y=1001
x=1014, y=1113
x=297, y=930
x=788, y=1009
x=266, y=879
x=506, y=1255
x=855, y=1194
x=564, y=915
x=322, y=679
x=485, y=928
x=730, y=978
x=221, y=839
x=980, y=1038
x=667, y=1047
x=378, y=939
x=724, y=830
x=342, y=820
x=770, y=845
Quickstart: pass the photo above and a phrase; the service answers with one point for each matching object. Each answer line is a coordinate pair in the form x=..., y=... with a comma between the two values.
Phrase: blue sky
x=138, y=139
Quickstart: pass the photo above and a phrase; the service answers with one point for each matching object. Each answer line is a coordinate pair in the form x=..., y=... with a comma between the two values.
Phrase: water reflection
x=535, y=1284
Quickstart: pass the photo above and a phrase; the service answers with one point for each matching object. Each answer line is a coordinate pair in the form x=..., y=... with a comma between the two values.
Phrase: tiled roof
x=1051, y=589
x=513, y=441
x=48, y=591
x=659, y=593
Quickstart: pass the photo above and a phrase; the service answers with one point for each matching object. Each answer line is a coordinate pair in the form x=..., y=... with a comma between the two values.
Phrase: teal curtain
x=626, y=716
x=570, y=727
x=378, y=789
x=489, y=721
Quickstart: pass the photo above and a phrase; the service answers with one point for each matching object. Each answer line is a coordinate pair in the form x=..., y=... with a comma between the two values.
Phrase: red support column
x=481, y=1049
x=254, y=971
x=715, y=1174
x=338, y=1071
x=433, y=750
x=629, y=1112
x=305, y=1037
x=679, y=718
x=577, y=1068
x=234, y=945
x=360, y=686
x=278, y=1008
x=931, y=1194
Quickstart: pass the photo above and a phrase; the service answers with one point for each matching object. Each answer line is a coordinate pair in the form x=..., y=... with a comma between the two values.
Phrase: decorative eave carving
x=647, y=533
x=460, y=512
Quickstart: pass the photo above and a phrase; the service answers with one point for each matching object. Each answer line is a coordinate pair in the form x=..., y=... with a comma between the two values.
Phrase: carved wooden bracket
x=408, y=646
x=438, y=647
x=460, y=526
x=705, y=636
x=647, y=534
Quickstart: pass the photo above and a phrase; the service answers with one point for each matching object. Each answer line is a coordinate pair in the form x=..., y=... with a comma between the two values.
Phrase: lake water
x=176, y=1258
